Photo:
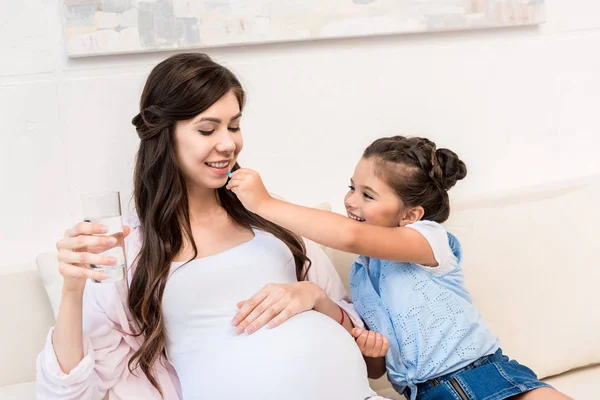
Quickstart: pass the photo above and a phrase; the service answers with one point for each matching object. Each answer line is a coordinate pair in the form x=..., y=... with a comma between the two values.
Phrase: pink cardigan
x=103, y=368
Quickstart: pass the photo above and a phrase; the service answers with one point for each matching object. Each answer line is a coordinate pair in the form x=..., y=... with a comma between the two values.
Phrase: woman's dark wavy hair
x=177, y=89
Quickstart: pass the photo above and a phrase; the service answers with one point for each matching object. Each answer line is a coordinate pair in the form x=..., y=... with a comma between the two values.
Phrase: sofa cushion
x=26, y=318
x=19, y=391
x=581, y=384
x=47, y=265
x=531, y=264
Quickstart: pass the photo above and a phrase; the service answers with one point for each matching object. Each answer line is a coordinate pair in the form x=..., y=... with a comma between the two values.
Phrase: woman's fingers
x=248, y=306
x=78, y=234
x=75, y=257
x=81, y=246
x=86, y=241
x=73, y=271
x=272, y=306
x=260, y=315
x=92, y=243
x=86, y=228
x=283, y=316
x=268, y=317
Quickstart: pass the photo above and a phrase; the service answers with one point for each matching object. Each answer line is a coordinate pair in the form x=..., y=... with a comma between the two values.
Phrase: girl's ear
x=411, y=215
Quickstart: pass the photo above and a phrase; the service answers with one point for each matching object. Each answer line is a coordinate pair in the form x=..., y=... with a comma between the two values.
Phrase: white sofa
x=531, y=263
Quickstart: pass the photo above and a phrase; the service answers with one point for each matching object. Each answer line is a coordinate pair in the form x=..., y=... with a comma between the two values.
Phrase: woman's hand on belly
x=274, y=304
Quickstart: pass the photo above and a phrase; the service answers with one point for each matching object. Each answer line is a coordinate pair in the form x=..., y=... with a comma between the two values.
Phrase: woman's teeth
x=218, y=165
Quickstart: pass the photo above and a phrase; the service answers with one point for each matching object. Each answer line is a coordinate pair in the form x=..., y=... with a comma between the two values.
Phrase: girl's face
x=372, y=200
x=207, y=146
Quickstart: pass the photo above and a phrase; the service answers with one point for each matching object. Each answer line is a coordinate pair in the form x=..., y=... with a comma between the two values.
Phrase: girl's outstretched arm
x=331, y=229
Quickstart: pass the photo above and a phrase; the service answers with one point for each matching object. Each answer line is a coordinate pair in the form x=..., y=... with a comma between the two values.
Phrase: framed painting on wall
x=98, y=27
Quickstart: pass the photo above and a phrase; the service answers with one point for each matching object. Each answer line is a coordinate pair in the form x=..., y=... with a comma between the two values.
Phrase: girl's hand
x=249, y=188
x=78, y=249
x=274, y=304
x=371, y=344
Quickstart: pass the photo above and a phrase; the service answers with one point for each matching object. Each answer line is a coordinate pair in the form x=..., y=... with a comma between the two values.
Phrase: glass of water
x=105, y=209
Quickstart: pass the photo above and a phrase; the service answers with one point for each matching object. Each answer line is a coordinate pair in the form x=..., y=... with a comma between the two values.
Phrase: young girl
x=408, y=284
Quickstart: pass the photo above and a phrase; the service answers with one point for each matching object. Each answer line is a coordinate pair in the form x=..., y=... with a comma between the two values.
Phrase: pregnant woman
x=218, y=303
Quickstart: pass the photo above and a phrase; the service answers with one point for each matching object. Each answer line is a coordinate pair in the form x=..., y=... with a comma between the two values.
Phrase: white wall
x=520, y=106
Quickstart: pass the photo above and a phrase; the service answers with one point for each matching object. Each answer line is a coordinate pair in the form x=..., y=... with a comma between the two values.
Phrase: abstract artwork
x=97, y=27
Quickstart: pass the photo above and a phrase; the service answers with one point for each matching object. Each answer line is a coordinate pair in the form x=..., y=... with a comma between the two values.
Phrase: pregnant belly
x=308, y=357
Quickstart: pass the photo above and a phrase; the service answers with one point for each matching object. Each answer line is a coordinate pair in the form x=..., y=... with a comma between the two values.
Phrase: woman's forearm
x=326, y=306
x=67, y=338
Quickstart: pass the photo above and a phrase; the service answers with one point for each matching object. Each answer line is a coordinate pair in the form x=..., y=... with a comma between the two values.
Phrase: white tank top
x=309, y=357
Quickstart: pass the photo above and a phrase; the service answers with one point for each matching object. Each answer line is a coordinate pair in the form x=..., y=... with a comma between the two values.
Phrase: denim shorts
x=493, y=377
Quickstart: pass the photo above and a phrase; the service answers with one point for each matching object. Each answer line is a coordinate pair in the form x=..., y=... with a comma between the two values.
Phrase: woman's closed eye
x=207, y=133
